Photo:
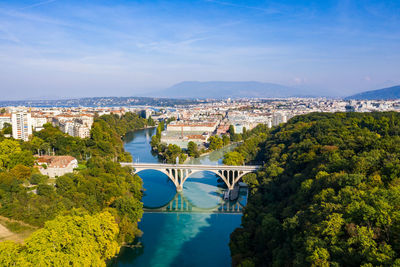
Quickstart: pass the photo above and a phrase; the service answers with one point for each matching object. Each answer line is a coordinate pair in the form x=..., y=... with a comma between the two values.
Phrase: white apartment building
x=37, y=122
x=81, y=130
x=21, y=125
x=67, y=127
x=278, y=118
x=179, y=126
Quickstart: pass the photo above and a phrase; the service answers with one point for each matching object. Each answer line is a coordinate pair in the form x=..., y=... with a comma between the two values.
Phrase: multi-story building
x=38, y=122
x=180, y=126
x=21, y=125
x=81, y=130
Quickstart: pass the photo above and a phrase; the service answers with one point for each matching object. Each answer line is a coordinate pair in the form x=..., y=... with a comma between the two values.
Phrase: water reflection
x=187, y=229
x=180, y=203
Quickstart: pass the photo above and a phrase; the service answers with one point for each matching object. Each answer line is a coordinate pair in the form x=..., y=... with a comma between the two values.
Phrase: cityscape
x=199, y=133
x=195, y=122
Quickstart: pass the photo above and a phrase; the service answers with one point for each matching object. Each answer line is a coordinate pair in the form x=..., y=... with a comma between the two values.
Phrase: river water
x=173, y=236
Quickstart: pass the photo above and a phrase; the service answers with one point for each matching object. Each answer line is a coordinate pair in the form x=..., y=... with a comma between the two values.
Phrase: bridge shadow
x=200, y=187
x=182, y=204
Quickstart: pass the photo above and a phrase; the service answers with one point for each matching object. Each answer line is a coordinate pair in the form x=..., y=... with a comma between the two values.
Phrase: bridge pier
x=178, y=173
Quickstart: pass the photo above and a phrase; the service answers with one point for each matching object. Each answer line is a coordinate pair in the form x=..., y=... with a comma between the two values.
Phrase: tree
x=8, y=147
x=226, y=140
x=38, y=178
x=251, y=179
x=129, y=206
x=45, y=190
x=155, y=141
x=172, y=152
x=215, y=142
x=7, y=128
x=150, y=121
x=233, y=158
x=232, y=132
x=21, y=172
x=327, y=194
x=10, y=254
x=75, y=240
x=193, y=150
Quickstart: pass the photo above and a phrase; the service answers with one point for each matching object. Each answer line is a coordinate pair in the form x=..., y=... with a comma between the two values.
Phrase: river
x=180, y=238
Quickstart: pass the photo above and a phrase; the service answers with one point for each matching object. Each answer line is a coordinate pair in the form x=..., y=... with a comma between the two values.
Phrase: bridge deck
x=191, y=166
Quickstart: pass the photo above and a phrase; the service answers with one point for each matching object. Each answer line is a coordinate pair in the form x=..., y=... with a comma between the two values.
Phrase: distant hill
x=383, y=94
x=221, y=89
x=101, y=102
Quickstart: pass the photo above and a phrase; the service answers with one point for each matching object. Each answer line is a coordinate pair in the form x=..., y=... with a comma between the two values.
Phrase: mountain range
x=382, y=94
x=225, y=89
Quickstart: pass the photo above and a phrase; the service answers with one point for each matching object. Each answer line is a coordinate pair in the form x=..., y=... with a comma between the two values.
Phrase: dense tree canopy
x=328, y=194
x=102, y=185
x=71, y=240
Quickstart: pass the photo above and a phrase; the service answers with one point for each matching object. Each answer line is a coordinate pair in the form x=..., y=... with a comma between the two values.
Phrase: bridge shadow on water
x=180, y=203
x=202, y=193
x=186, y=228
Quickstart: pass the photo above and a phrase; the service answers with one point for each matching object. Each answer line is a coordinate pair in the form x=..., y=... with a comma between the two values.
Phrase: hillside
x=328, y=195
x=383, y=94
x=222, y=89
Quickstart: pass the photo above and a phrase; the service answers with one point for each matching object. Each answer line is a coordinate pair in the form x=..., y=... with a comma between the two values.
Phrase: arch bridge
x=178, y=173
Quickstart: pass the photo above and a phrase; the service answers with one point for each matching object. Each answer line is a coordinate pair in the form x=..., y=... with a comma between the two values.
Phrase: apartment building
x=21, y=125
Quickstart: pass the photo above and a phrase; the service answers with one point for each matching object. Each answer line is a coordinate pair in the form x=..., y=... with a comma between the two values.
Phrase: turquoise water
x=172, y=237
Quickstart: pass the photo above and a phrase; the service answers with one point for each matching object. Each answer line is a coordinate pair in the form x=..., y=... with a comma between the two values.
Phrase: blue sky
x=66, y=48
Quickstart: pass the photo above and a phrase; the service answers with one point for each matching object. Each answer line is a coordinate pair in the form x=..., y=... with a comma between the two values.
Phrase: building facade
x=21, y=125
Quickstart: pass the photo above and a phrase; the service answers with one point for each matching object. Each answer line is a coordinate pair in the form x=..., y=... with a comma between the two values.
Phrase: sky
x=67, y=48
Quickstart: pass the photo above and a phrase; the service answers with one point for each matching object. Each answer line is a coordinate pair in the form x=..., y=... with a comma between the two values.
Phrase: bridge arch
x=230, y=178
x=137, y=170
x=179, y=173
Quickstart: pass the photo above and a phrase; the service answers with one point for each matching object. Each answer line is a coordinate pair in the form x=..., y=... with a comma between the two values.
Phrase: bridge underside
x=179, y=175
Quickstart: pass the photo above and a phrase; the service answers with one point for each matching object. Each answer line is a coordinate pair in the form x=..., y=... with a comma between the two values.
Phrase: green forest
x=328, y=193
x=89, y=213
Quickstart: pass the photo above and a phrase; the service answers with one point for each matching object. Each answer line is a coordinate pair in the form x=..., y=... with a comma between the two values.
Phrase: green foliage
x=169, y=120
x=45, y=190
x=172, y=152
x=130, y=207
x=150, y=122
x=193, y=150
x=328, y=194
x=215, y=142
x=233, y=158
x=11, y=155
x=156, y=139
x=79, y=240
x=231, y=130
x=38, y=178
x=94, y=187
x=105, y=140
x=7, y=128
x=251, y=179
x=226, y=140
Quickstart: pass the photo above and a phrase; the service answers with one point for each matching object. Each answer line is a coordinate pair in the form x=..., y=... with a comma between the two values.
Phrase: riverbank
x=176, y=237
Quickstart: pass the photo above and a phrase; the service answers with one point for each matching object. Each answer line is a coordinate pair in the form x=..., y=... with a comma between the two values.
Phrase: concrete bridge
x=181, y=204
x=178, y=173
